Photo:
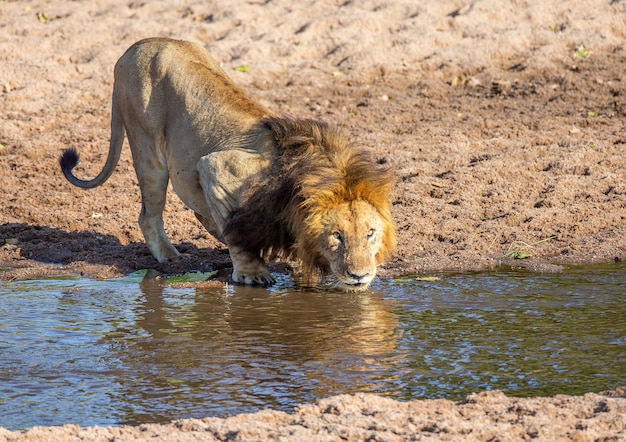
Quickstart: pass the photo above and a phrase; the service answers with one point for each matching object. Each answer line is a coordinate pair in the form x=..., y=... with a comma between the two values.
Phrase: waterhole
x=123, y=351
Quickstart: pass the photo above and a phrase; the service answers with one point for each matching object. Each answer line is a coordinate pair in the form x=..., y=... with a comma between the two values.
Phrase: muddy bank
x=480, y=417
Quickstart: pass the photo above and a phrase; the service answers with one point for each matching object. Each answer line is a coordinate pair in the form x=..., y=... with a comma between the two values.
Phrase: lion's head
x=327, y=205
x=341, y=216
x=353, y=238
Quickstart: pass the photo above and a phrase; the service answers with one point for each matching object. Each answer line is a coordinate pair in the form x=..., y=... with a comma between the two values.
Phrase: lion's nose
x=357, y=276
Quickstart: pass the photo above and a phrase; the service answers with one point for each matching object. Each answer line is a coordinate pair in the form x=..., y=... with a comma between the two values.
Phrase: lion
x=267, y=186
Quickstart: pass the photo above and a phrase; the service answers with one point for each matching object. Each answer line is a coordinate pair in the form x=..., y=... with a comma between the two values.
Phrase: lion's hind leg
x=153, y=178
x=151, y=223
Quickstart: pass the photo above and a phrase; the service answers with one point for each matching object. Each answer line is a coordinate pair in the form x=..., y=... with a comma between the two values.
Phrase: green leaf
x=132, y=278
x=242, y=68
x=418, y=278
x=43, y=17
x=582, y=52
x=428, y=278
x=191, y=277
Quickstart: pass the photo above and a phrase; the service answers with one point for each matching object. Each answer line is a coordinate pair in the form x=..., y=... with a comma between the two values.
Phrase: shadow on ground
x=22, y=245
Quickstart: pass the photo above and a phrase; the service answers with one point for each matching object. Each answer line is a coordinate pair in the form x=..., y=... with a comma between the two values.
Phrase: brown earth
x=504, y=121
x=487, y=416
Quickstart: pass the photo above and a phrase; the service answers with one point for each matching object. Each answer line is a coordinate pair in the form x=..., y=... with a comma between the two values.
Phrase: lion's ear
x=288, y=132
x=276, y=125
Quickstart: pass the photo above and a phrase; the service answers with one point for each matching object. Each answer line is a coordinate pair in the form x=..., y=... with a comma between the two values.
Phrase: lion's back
x=162, y=72
x=153, y=55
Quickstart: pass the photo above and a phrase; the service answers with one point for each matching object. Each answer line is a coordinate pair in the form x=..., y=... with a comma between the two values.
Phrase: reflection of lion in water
x=266, y=186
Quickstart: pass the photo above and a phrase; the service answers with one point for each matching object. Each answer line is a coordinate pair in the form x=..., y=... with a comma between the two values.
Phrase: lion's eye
x=371, y=233
x=338, y=237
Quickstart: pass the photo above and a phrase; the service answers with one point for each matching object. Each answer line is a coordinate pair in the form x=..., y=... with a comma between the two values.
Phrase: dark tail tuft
x=69, y=160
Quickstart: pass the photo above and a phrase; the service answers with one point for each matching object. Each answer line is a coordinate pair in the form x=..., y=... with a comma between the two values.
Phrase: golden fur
x=320, y=175
x=266, y=186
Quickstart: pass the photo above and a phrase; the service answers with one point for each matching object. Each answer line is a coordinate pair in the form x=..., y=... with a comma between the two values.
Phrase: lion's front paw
x=248, y=269
x=262, y=277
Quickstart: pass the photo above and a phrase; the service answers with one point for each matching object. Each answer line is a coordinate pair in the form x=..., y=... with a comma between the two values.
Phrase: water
x=125, y=352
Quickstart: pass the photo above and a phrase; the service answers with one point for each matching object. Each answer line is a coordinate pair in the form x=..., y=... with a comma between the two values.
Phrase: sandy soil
x=504, y=121
x=487, y=416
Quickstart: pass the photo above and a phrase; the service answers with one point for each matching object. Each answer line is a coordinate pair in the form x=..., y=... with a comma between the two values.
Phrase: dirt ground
x=503, y=120
x=487, y=416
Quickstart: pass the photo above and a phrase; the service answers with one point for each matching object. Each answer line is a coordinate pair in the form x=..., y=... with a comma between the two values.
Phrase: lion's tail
x=69, y=159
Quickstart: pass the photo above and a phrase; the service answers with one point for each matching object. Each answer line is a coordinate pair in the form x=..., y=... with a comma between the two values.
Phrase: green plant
x=520, y=249
x=582, y=52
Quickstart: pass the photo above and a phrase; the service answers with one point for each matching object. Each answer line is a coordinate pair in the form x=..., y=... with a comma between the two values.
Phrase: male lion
x=266, y=186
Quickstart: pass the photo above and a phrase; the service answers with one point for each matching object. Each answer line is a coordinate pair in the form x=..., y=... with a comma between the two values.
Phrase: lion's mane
x=316, y=170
